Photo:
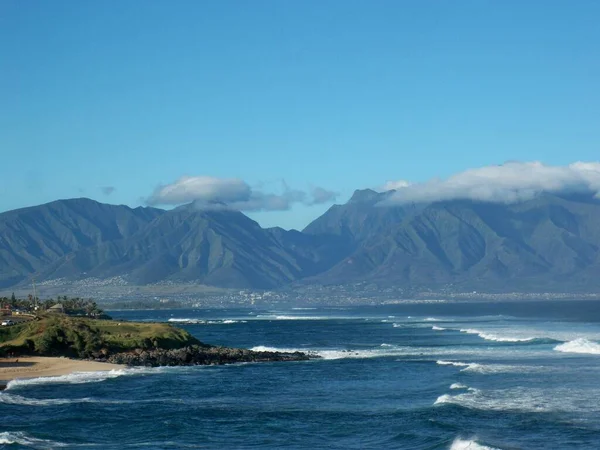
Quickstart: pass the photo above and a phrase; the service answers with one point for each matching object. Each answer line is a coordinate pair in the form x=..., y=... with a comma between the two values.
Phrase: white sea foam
x=435, y=328
x=91, y=377
x=13, y=399
x=284, y=317
x=492, y=368
x=452, y=363
x=20, y=438
x=382, y=351
x=432, y=319
x=72, y=378
x=458, y=386
x=187, y=320
x=469, y=444
x=208, y=322
x=494, y=337
x=525, y=400
x=579, y=346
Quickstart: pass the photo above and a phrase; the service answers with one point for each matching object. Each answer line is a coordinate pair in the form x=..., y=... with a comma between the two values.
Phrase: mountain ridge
x=547, y=242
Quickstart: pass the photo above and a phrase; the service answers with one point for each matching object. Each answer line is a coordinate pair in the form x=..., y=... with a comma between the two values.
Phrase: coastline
x=47, y=366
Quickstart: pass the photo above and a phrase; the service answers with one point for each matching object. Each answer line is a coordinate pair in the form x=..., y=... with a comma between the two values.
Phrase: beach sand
x=38, y=366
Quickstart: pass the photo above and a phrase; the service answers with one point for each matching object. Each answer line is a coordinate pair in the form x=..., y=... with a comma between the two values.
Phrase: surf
x=581, y=346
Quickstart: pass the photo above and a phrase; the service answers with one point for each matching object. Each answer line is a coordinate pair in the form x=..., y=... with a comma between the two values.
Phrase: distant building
x=58, y=309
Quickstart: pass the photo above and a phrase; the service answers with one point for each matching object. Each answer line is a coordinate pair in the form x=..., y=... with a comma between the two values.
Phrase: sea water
x=417, y=376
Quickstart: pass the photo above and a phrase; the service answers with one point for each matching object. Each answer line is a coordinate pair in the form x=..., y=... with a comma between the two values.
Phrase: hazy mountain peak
x=363, y=195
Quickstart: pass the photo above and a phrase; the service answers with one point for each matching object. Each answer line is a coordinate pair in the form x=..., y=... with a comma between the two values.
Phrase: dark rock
x=201, y=355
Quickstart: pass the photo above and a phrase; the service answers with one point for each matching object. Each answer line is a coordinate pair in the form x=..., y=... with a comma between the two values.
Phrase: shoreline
x=48, y=366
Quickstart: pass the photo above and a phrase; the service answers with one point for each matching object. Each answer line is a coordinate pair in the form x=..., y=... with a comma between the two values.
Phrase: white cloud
x=393, y=185
x=233, y=193
x=508, y=183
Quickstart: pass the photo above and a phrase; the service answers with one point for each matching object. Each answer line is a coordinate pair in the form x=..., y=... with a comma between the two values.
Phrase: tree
x=13, y=298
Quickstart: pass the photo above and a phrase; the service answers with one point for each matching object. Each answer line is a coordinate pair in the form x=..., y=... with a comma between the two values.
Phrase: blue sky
x=337, y=94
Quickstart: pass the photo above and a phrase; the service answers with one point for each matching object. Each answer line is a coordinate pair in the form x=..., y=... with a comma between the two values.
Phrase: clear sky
x=111, y=100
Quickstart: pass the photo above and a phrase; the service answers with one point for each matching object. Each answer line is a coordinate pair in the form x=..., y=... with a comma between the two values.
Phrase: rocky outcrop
x=201, y=355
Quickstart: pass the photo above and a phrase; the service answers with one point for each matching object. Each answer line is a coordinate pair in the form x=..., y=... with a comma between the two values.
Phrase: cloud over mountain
x=507, y=183
x=234, y=193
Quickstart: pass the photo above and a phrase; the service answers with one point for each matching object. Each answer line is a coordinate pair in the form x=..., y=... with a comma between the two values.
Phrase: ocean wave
x=533, y=400
x=207, y=322
x=20, y=438
x=452, y=363
x=187, y=320
x=494, y=337
x=432, y=319
x=435, y=328
x=491, y=368
x=469, y=444
x=383, y=351
x=13, y=399
x=579, y=346
x=286, y=317
x=72, y=378
x=91, y=377
x=458, y=386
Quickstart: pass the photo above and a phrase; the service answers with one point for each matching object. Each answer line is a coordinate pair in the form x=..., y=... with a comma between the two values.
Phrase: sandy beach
x=33, y=367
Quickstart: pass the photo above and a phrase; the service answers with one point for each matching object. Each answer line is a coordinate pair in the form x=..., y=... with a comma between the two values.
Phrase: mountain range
x=549, y=243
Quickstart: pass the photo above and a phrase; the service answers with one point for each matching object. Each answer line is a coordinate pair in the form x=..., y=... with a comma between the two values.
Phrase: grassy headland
x=79, y=337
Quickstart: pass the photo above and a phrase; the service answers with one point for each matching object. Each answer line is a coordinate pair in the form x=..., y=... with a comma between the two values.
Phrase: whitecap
x=284, y=317
x=468, y=444
x=524, y=400
x=20, y=438
x=432, y=319
x=191, y=321
x=579, y=346
x=495, y=337
x=458, y=386
x=452, y=363
x=90, y=377
x=434, y=328
x=491, y=368
x=13, y=399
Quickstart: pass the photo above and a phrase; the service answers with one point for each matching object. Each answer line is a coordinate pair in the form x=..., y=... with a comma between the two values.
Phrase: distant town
x=116, y=293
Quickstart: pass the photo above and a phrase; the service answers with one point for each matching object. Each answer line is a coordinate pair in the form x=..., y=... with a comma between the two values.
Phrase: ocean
x=517, y=375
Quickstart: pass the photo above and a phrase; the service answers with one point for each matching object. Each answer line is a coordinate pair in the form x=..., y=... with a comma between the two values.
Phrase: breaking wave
x=435, y=328
x=491, y=368
x=458, y=386
x=209, y=322
x=579, y=346
x=523, y=400
x=20, y=438
x=92, y=377
x=497, y=338
x=468, y=444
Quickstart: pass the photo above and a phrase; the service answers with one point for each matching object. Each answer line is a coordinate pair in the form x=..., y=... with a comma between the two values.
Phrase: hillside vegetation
x=60, y=335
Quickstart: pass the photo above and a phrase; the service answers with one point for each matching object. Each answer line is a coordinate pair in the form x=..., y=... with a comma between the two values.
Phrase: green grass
x=59, y=335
